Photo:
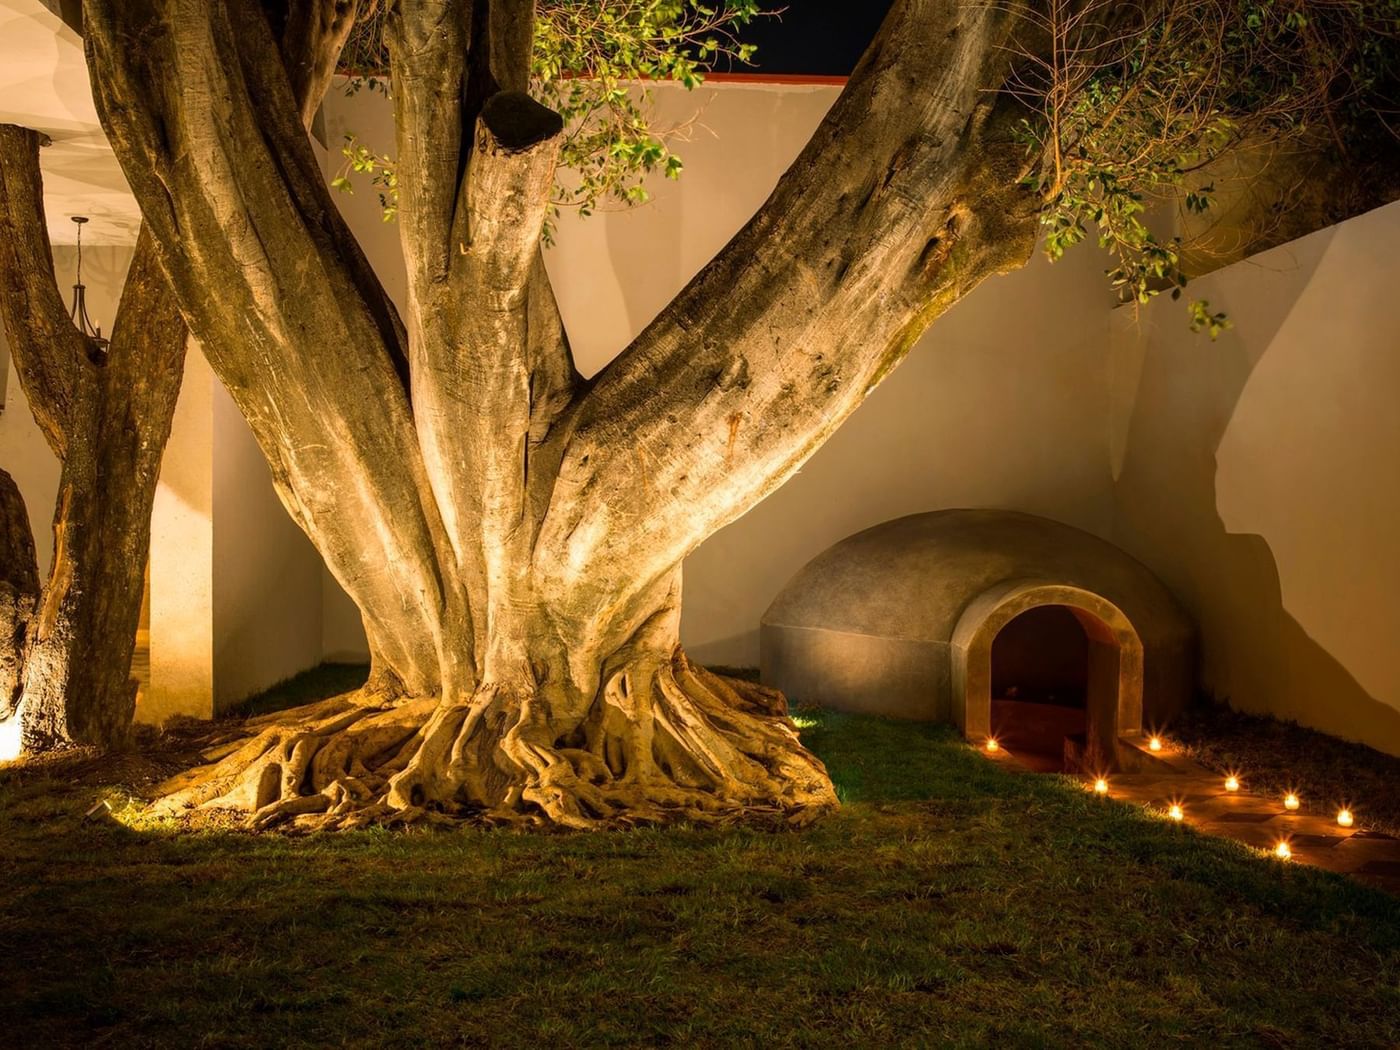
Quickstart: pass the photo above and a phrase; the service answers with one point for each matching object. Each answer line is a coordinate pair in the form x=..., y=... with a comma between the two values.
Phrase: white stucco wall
x=182, y=561
x=1260, y=475
x=267, y=575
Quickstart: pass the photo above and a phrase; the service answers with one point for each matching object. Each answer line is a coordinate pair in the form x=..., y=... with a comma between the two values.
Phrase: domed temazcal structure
x=990, y=620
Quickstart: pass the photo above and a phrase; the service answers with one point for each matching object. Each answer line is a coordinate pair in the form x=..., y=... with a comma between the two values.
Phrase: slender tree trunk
x=107, y=416
x=512, y=534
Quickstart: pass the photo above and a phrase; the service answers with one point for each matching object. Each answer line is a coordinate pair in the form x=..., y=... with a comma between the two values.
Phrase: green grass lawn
x=949, y=903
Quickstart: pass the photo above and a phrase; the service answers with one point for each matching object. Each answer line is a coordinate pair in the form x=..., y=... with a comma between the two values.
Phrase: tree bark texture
x=19, y=592
x=107, y=418
x=511, y=533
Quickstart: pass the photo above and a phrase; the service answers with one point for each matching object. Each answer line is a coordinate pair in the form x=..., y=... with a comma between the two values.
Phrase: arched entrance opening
x=1053, y=671
x=1040, y=685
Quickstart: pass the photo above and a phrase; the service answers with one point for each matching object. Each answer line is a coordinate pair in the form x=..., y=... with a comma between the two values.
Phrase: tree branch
x=472, y=370
x=427, y=42
x=502, y=46
x=447, y=59
x=48, y=349
x=904, y=200
x=216, y=152
x=489, y=361
x=312, y=39
x=507, y=190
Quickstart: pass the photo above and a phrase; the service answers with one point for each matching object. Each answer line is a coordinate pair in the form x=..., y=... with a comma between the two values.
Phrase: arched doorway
x=1056, y=645
x=1040, y=685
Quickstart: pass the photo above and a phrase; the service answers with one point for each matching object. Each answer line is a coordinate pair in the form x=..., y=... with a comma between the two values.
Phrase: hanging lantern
x=79, y=312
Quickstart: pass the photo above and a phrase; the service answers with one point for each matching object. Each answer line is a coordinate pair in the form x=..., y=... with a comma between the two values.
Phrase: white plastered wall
x=1259, y=475
x=267, y=576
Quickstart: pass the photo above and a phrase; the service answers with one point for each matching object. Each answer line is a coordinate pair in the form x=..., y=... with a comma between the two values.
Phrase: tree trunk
x=19, y=595
x=512, y=534
x=107, y=416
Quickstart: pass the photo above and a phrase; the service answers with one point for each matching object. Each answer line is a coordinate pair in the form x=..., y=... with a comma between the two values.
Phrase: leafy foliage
x=1135, y=104
x=361, y=160
x=593, y=61
x=592, y=64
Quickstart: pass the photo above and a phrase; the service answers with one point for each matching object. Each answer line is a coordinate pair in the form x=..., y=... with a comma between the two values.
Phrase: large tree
x=105, y=410
x=512, y=533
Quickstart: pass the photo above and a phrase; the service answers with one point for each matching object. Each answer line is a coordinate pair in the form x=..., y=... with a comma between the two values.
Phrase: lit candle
x=1344, y=818
x=1101, y=786
x=1232, y=783
x=1155, y=744
x=1290, y=802
x=1176, y=813
x=992, y=744
x=1282, y=851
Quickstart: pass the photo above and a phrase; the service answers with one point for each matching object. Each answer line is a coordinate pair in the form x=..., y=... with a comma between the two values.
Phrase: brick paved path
x=1312, y=834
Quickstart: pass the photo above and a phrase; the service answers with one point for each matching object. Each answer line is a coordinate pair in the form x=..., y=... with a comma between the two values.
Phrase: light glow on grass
x=1101, y=786
x=1344, y=817
x=1155, y=744
x=1283, y=850
x=1176, y=813
x=10, y=744
x=992, y=744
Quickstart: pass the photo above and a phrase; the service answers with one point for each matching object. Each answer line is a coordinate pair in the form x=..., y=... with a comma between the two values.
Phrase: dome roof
x=911, y=578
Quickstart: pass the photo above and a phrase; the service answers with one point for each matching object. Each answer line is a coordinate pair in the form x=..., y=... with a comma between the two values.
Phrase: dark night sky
x=823, y=37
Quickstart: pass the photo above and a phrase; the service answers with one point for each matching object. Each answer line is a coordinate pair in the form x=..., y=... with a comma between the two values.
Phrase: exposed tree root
x=659, y=744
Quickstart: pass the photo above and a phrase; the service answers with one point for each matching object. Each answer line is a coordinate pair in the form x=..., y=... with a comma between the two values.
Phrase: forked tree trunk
x=107, y=417
x=512, y=534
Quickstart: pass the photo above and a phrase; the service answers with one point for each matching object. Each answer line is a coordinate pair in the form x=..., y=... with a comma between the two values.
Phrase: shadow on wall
x=1253, y=430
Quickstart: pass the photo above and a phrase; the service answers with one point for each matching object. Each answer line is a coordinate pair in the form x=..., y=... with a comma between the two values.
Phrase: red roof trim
x=774, y=78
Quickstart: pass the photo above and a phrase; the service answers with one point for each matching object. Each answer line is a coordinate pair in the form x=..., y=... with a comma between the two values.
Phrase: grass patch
x=1274, y=757
x=307, y=687
x=948, y=903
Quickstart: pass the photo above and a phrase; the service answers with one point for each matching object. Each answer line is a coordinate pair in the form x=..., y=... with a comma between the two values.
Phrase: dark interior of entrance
x=1040, y=685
